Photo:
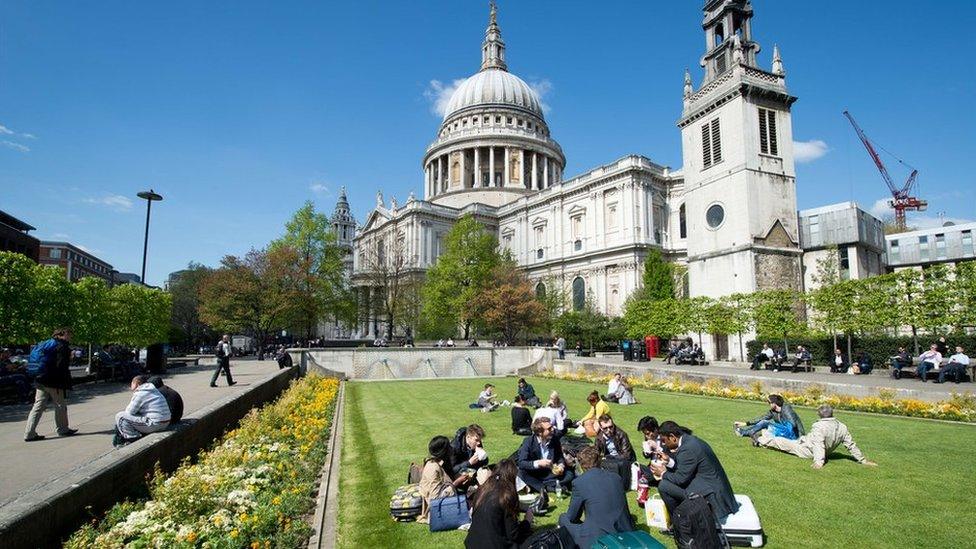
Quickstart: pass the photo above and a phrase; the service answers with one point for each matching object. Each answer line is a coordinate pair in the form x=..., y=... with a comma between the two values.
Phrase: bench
x=912, y=371
x=182, y=361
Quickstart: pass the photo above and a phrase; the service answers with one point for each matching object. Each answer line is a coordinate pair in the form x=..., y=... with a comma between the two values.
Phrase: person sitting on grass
x=781, y=419
x=802, y=356
x=764, y=355
x=826, y=434
x=146, y=413
x=651, y=447
x=540, y=459
x=435, y=481
x=526, y=391
x=587, y=424
x=614, y=447
x=598, y=499
x=495, y=520
x=556, y=411
x=696, y=470
x=862, y=365
x=619, y=391
x=902, y=360
x=521, y=418
x=928, y=360
x=956, y=367
x=467, y=453
x=486, y=400
x=838, y=364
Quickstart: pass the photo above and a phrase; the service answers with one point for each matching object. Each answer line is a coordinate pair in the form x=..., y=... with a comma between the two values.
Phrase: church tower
x=740, y=182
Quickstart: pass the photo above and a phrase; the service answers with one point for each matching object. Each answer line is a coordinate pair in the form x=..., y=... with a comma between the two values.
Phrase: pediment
x=539, y=222
x=777, y=236
x=375, y=218
x=576, y=210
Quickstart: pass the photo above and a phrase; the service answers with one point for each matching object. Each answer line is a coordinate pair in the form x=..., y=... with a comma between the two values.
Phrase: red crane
x=901, y=199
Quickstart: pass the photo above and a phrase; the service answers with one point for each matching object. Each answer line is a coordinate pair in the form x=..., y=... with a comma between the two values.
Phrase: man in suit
x=598, y=493
x=695, y=470
x=540, y=458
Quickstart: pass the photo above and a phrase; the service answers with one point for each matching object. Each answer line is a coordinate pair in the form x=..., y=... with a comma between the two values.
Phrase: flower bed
x=251, y=490
x=958, y=408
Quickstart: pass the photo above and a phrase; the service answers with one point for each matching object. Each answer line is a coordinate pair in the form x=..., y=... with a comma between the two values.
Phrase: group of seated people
x=777, y=359
x=686, y=352
x=781, y=429
x=932, y=359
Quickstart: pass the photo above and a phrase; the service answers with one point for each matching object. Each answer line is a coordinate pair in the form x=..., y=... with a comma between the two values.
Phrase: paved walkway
x=837, y=383
x=91, y=410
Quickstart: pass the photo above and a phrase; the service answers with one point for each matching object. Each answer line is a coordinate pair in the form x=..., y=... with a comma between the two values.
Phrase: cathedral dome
x=494, y=87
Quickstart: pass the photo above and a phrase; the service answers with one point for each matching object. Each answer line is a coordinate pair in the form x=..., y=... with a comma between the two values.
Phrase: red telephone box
x=652, y=344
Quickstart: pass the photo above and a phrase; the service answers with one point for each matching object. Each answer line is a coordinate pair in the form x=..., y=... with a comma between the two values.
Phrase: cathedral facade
x=729, y=213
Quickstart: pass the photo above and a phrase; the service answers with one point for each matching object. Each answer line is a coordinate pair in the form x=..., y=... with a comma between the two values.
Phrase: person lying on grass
x=826, y=435
x=435, y=481
x=781, y=419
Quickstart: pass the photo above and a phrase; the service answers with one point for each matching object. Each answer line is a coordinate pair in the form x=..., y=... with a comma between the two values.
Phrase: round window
x=715, y=215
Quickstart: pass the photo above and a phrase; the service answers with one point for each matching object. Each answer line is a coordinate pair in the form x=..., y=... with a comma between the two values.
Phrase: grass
x=920, y=495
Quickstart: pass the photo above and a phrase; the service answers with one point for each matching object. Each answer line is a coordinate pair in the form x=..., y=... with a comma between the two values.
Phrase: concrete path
x=836, y=383
x=91, y=410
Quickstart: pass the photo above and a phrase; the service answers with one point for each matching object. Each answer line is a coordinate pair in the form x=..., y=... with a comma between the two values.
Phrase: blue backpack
x=42, y=357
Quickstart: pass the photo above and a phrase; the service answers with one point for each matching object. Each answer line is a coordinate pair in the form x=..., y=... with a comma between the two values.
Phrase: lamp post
x=149, y=196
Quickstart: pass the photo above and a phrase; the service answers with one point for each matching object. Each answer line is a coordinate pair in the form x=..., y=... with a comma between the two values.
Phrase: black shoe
x=755, y=439
x=232, y=383
x=33, y=438
x=213, y=384
x=67, y=433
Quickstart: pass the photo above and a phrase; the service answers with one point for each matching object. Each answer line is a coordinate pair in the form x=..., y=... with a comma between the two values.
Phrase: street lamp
x=149, y=196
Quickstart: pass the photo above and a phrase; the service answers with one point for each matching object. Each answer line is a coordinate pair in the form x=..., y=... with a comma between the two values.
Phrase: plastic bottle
x=559, y=490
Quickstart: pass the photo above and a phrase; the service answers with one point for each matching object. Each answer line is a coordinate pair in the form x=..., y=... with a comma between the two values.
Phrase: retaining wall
x=425, y=362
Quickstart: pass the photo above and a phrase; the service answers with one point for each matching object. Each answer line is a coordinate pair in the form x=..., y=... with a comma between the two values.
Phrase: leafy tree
x=908, y=301
x=140, y=315
x=54, y=300
x=508, y=305
x=731, y=314
x=256, y=295
x=16, y=298
x=779, y=314
x=93, y=322
x=185, y=293
x=388, y=271
x=461, y=272
x=965, y=284
x=938, y=299
x=664, y=318
x=554, y=300
x=696, y=312
x=658, y=277
x=321, y=286
x=590, y=327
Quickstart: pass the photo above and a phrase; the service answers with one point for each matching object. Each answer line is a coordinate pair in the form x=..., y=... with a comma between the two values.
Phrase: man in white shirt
x=928, y=360
x=956, y=367
x=764, y=355
x=224, y=351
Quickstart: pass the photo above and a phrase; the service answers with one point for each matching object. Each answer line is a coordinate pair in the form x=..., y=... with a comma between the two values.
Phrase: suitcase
x=743, y=528
x=406, y=503
x=627, y=540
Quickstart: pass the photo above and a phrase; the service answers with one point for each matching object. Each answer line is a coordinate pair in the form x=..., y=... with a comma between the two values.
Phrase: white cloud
x=542, y=88
x=15, y=146
x=881, y=209
x=439, y=95
x=114, y=201
x=808, y=151
x=318, y=188
x=28, y=136
x=4, y=130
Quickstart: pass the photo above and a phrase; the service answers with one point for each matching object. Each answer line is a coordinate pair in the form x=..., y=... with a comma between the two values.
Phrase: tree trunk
x=742, y=356
x=849, y=357
x=915, y=338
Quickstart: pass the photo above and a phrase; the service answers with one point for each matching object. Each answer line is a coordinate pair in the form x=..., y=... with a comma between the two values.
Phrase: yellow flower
x=276, y=500
x=255, y=545
x=191, y=537
x=234, y=533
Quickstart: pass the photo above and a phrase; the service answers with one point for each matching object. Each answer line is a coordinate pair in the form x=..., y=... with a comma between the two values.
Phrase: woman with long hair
x=495, y=520
x=435, y=482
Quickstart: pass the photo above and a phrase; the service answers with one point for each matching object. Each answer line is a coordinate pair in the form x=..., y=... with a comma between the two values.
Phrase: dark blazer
x=698, y=471
x=521, y=420
x=461, y=453
x=601, y=496
x=531, y=451
x=493, y=528
x=58, y=374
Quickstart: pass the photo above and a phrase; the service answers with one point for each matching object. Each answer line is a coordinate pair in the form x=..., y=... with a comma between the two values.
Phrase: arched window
x=682, y=223
x=540, y=291
x=579, y=294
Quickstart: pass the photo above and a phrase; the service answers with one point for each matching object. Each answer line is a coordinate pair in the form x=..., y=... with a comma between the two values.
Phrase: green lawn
x=920, y=495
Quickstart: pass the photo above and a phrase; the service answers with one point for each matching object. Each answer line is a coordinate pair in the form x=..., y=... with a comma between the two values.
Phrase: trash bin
x=640, y=351
x=628, y=349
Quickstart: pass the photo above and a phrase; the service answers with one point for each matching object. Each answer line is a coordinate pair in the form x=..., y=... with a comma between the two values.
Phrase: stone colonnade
x=492, y=166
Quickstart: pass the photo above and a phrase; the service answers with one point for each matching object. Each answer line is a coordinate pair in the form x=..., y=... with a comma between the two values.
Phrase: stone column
x=477, y=168
x=535, y=170
x=462, y=168
x=505, y=176
x=440, y=176
x=545, y=171
x=491, y=166
x=427, y=179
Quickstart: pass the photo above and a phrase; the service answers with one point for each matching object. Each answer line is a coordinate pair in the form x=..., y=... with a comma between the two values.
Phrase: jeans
x=562, y=353
x=923, y=369
x=956, y=370
x=132, y=427
x=41, y=398
x=223, y=364
x=760, y=358
x=750, y=430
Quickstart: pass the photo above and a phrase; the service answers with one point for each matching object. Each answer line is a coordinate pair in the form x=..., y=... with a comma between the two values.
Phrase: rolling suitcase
x=743, y=527
x=406, y=503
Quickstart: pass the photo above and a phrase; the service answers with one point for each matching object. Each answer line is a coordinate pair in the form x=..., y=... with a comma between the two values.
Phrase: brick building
x=14, y=237
x=76, y=262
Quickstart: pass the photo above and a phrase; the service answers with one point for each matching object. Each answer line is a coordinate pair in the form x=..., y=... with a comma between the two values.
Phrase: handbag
x=448, y=513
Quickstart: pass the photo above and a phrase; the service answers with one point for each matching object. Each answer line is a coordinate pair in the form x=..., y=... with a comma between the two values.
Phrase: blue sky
x=237, y=112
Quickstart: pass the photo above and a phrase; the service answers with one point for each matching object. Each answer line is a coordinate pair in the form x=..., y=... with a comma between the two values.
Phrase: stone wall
x=418, y=363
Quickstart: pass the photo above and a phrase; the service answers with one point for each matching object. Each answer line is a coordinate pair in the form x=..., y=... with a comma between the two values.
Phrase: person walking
x=53, y=381
x=224, y=352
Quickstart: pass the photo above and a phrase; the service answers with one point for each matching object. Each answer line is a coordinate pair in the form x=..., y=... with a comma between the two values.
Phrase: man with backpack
x=48, y=364
x=224, y=352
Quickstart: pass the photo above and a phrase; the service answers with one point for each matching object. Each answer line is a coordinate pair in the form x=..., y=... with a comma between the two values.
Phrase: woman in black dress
x=494, y=522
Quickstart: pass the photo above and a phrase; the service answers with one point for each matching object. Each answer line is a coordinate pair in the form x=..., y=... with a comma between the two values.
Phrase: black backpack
x=551, y=538
x=695, y=527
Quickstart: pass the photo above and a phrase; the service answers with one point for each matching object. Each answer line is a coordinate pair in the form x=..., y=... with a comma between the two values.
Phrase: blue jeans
x=750, y=430
x=923, y=369
x=954, y=369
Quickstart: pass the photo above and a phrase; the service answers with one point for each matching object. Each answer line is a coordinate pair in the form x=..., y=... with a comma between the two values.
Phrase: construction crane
x=901, y=198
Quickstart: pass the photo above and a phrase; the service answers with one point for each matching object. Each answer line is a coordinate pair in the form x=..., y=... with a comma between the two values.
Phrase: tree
x=93, y=322
x=778, y=313
x=553, y=298
x=54, y=300
x=658, y=278
x=664, y=318
x=461, y=272
x=696, y=312
x=321, y=285
x=508, y=305
x=185, y=293
x=16, y=298
x=965, y=283
x=256, y=295
x=731, y=314
x=140, y=315
x=387, y=269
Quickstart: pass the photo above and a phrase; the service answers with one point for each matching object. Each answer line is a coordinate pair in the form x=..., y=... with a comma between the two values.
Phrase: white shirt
x=487, y=395
x=960, y=358
x=934, y=357
x=556, y=415
x=838, y=360
x=614, y=386
x=768, y=352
